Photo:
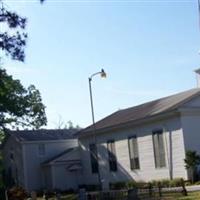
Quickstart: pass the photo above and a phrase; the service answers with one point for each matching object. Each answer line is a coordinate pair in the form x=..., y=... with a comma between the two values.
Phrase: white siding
x=190, y=119
x=47, y=177
x=17, y=163
x=63, y=179
x=146, y=155
x=191, y=130
x=34, y=175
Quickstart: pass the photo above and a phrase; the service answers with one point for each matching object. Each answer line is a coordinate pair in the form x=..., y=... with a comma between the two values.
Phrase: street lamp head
x=103, y=73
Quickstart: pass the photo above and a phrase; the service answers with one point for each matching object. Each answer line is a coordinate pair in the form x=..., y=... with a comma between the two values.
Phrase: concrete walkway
x=190, y=188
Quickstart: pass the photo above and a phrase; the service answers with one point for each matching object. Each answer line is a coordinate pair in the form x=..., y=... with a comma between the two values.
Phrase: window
x=41, y=149
x=112, y=155
x=133, y=153
x=11, y=156
x=159, y=149
x=93, y=158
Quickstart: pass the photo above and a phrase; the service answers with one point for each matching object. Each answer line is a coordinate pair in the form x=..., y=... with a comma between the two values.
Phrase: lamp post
x=103, y=75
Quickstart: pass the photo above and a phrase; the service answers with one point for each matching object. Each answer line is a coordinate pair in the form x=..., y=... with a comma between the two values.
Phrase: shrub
x=177, y=182
x=167, y=182
x=118, y=185
x=141, y=184
x=197, y=183
x=188, y=183
x=90, y=187
x=154, y=183
x=17, y=193
x=131, y=184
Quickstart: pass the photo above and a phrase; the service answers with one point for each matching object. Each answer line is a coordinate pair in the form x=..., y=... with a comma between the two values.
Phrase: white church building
x=141, y=143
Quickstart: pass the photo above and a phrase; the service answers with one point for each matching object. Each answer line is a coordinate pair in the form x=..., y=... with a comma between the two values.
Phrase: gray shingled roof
x=44, y=134
x=142, y=111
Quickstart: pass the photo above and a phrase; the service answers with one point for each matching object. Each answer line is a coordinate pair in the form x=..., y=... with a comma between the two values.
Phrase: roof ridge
x=162, y=98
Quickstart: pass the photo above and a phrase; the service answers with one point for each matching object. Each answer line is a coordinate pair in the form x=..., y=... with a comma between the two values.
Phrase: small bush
x=167, y=182
x=17, y=193
x=154, y=183
x=131, y=184
x=118, y=185
x=177, y=182
x=141, y=184
x=90, y=188
x=197, y=183
x=188, y=183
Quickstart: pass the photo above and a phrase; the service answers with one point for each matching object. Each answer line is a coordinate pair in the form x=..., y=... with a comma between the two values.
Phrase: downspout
x=24, y=166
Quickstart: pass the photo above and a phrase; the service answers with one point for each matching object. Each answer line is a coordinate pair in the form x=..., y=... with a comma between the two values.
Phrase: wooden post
x=184, y=191
x=33, y=195
x=45, y=195
x=150, y=189
x=82, y=194
x=159, y=189
x=6, y=194
x=133, y=194
x=57, y=196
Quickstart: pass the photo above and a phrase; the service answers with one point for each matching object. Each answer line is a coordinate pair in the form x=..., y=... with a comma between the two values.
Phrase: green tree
x=12, y=42
x=69, y=125
x=192, y=160
x=19, y=106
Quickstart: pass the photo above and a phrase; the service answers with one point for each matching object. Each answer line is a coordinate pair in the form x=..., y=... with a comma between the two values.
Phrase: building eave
x=130, y=124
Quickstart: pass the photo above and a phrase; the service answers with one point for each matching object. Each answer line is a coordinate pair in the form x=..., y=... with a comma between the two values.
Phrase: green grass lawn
x=191, y=196
x=177, y=196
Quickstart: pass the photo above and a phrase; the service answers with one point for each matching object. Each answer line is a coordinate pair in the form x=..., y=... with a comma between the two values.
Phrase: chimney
x=197, y=71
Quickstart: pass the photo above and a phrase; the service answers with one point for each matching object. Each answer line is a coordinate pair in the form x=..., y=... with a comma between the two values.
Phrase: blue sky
x=149, y=49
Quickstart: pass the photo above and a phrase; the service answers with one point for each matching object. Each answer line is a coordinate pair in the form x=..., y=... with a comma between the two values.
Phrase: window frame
x=112, y=157
x=41, y=151
x=133, y=165
x=160, y=150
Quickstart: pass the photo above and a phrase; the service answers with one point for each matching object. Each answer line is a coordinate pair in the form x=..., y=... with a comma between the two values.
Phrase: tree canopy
x=19, y=106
